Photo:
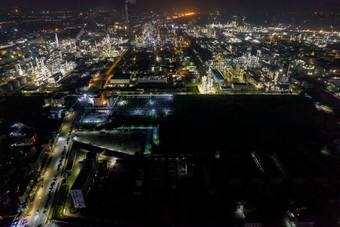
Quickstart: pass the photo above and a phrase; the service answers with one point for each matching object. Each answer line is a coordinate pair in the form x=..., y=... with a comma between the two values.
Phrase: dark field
x=288, y=126
x=29, y=110
x=243, y=123
x=26, y=109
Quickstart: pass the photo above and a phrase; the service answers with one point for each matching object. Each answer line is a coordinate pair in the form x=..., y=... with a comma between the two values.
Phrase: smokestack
x=126, y=11
x=56, y=40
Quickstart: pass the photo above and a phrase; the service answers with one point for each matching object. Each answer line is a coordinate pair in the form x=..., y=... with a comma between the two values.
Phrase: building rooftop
x=121, y=76
x=81, y=179
x=217, y=75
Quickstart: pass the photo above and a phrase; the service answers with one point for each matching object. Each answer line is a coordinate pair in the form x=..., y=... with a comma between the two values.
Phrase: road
x=100, y=81
x=38, y=214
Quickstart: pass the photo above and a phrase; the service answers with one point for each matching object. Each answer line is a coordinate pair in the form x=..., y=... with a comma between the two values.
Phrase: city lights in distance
x=182, y=15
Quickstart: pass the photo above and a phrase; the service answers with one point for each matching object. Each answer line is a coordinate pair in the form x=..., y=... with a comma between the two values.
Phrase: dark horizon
x=237, y=6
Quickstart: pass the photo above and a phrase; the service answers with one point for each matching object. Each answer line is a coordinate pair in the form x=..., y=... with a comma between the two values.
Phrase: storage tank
x=22, y=80
x=7, y=88
x=15, y=84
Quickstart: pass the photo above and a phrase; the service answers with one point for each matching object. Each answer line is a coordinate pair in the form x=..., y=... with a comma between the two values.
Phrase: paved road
x=102, y=79
x=51, y=178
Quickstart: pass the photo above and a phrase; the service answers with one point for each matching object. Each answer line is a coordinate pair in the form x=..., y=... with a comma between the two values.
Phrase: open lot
x=234, y=123
x=140, y=105
x=127, y=142
x=200, y=125
x=28, y=110
x=95, y=117
x=237, y=123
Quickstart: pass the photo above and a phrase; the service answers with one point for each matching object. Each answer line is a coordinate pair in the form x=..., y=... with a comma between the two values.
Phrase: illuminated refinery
x=157, y=113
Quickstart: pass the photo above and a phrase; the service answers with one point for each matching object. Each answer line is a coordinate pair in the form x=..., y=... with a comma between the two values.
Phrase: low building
x=99, y=100
x=255, y=78
x=56, y=113
x=56, y=100
x=302, y=82
x=218, y=78
x=81, y=188
x=22, y=135
x=240, y=87
x=56, y=77
x=120, y=80
x=30, y=89
x=284, y=86
x=153, y=80
x=85, y=180
x=111, y=100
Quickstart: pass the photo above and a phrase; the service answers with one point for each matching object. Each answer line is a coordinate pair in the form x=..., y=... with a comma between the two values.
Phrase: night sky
x=229, y=5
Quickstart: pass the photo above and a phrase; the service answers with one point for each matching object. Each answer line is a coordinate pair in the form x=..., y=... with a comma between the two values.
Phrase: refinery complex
x=203, y=117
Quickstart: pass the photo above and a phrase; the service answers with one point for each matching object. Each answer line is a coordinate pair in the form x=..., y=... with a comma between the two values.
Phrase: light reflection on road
x=38, y=214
